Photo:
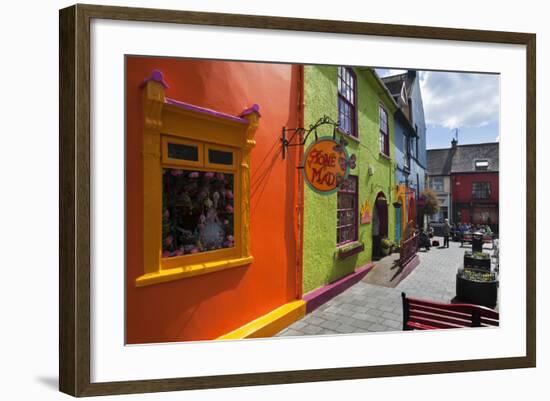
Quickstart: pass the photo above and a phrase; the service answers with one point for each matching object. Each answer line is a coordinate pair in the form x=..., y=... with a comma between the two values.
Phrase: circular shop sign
x=325, y=165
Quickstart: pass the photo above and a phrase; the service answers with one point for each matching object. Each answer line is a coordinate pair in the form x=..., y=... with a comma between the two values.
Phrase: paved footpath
x=369, y=308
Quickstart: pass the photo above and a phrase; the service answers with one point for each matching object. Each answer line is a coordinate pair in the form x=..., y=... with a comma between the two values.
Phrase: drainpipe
x=300, y=189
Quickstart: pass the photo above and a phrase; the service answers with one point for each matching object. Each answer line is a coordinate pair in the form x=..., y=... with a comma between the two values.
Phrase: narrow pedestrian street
x=366, y=307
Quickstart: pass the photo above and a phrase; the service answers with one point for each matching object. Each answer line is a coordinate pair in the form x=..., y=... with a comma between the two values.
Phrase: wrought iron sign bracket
x=300, y=135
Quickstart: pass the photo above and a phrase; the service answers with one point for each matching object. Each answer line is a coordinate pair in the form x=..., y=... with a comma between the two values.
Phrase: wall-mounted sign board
x=326, y=165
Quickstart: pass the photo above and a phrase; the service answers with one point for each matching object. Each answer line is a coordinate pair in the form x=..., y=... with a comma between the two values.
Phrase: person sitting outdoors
x=423, y=240
x=430, y=231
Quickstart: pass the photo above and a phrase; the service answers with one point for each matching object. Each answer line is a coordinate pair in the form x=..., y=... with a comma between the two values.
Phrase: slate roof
x=466, y=155
x=439, y=161
x=462, y=158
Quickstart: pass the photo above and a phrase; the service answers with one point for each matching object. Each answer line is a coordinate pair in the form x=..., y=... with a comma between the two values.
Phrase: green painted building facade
x=375, y=174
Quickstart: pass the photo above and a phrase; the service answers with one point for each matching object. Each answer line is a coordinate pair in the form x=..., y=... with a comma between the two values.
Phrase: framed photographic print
x=251, y=200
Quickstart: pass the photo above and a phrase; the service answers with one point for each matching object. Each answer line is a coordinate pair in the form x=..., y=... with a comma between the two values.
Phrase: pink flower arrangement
x=166, y=213
x=229, y=194
x=229, y=209
x=179, y=252
x=220, y=176
x=230, y=238
x=169, y=240
x=194, y=174
x=209, y=175
x=177, y=173
x=194, y=250
x=166, y=254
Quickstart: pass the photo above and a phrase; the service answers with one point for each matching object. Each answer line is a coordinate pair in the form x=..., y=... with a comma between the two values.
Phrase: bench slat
x=426, y=315
x=420, y=326
x=435, y=309
x=464, y=308
x=436, y=323
x=418, y=314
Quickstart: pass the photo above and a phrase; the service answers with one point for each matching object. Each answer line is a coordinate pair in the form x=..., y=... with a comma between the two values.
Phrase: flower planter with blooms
x=386, y=246
x=479, y=260
x=349, y=250
x=478, y=287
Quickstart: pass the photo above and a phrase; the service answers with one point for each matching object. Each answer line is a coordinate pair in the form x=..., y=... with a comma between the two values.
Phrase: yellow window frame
x=166, y=123
x=167, y=160
x=218, y=254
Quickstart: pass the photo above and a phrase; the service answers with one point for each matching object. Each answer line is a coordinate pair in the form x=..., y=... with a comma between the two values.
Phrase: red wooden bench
x=426, y=315
x=487, y=239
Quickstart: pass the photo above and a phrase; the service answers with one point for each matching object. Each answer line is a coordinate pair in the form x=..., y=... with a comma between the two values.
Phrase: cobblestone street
x=371, y=308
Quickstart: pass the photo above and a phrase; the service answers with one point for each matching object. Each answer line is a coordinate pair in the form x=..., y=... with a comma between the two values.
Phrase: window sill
x=349, y=249
x=348, y=136
x=178, y=273
x=385, y=156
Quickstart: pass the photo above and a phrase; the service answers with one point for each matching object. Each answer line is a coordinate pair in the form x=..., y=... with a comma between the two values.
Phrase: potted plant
x=348, y=250
x=477, y=287
x=381, y=201
x=386, y=246
x=477, y=260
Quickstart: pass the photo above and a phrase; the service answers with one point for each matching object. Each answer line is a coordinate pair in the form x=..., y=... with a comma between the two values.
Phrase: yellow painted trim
x=187, y=127
x=163, y=124
x=177, y=273
x=180, y=162
x=269, y=324
x=153, y=103
x=216, y=166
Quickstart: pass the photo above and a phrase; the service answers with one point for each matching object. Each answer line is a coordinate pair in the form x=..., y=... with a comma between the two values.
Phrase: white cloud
x=459, y=100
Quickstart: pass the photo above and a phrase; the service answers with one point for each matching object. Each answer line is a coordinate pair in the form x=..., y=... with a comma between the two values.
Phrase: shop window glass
x=220, y=157
x=347, y=212
x=183, y=152
x=197, y=211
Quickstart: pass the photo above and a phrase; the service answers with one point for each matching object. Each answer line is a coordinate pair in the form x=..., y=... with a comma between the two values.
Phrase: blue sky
x=467, y=101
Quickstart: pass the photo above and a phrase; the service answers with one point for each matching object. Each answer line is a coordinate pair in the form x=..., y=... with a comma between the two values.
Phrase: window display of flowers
x=198, y=212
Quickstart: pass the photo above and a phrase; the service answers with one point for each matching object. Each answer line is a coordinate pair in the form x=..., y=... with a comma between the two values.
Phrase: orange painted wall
x=207, y=306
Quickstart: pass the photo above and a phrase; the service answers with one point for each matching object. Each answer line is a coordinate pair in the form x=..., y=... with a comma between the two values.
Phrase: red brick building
x=474, y=181
x=474, y=184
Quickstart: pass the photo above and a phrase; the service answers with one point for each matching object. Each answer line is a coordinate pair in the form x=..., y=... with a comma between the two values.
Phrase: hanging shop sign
x=365, y=213
x=327, y=164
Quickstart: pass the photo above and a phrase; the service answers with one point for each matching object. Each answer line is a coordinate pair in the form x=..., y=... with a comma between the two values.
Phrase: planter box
x=348, y=251
x=476, y=292
x=471, y=262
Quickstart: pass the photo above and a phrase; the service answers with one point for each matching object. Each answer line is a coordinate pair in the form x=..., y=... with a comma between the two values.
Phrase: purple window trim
x=156, y=75
x=345, y=226
x=348, y=241
x=351, y=104
x=255, y=108
x=190, y=107
x=355, y=209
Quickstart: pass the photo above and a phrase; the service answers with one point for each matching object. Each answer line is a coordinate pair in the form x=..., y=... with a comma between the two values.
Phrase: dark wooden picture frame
x=74, y=205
